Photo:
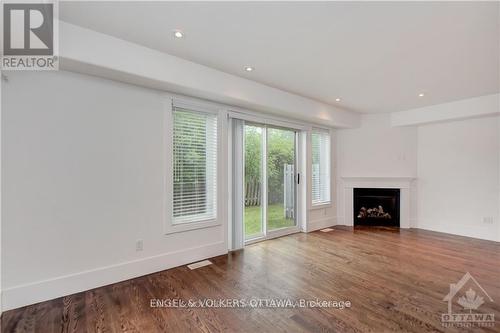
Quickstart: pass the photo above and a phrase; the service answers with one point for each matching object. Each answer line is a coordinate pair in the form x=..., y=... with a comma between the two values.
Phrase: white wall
x=376, y=149
x=458, y=177
x=1, y=214
x=83, y=173
x=498, y=142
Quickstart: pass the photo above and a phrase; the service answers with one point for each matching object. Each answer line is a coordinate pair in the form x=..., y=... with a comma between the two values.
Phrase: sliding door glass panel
x=254, y=226
x=280, y=178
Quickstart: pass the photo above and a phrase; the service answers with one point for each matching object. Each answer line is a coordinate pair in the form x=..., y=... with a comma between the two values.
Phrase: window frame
x=329, y=203
x=169, y=226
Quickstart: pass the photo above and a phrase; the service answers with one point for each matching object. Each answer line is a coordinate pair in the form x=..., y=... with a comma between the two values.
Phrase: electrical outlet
x=139, y=245
x=488, y=219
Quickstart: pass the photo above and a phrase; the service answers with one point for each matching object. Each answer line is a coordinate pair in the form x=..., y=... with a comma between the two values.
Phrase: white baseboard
x=470, y=233
x=40, y=291
x=321, y=224
x=341, y=220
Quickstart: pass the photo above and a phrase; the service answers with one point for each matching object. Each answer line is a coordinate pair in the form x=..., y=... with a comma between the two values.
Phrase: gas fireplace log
x=377, y=212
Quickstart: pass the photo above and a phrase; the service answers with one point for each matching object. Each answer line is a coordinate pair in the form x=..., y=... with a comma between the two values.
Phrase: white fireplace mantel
x=402, y=183
x=378, y=182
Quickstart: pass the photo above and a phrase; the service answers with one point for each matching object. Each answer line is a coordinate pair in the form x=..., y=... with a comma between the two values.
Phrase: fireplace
x=376, y=206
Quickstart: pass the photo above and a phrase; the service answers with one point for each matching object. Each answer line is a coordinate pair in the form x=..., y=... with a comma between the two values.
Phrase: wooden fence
x=253, y=191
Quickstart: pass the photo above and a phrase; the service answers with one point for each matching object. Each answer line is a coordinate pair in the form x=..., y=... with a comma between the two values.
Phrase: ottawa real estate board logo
x=30, y=35
x=464, y=300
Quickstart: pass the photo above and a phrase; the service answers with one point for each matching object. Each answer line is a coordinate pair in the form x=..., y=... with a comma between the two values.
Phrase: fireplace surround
x=407, y=201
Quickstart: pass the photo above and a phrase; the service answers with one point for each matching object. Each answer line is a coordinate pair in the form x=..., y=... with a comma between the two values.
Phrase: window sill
x=171, y=228
x=321, y=205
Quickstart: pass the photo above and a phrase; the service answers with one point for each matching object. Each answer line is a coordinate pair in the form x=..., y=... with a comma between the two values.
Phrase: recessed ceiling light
x=248, y=68
x=178, y=34
x=337, y=99
x=421, y=95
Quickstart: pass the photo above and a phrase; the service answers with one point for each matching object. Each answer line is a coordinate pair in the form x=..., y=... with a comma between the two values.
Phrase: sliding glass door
x=270, y=156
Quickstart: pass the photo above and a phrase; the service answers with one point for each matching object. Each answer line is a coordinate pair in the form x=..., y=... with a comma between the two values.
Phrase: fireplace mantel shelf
x=392, y=182
x=377, y=178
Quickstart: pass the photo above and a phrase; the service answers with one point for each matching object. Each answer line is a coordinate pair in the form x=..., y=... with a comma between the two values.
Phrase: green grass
x=275, y=217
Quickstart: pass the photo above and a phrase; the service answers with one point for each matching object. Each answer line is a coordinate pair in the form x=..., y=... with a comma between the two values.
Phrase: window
x=320, y=167
x=194, y=166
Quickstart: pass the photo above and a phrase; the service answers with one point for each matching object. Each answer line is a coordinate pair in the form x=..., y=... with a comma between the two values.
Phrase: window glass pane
x=195, y=159
x=320, y=167
x=253, y=182
x=280, y=178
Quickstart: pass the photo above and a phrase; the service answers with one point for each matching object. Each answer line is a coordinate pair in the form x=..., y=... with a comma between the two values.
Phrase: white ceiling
x=377, y=57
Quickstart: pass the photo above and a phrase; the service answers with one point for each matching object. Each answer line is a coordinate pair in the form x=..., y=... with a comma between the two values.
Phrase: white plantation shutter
x=320, y=166
x=195, y=165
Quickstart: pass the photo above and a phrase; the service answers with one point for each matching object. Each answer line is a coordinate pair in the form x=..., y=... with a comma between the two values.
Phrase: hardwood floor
x=395, y=280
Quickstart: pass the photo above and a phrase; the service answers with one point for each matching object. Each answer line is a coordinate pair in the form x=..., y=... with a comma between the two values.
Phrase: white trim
x=304, y=195
x=325, y=130
x=265, y=119
x=236, y=138
x=40, y=291
x=388, y=182
x=222, y=173
x=469, y=233
x=2, y=76
x=274, y=234
x=301, y=187
x=321, y=224
x=264, y=190
x=193, y=104
x=470, y=108
x=321, y=205
x=173, y=228
x=198, y=106
x=326, y=204
x=230, y=218
x=333, y=167
x=282, y=232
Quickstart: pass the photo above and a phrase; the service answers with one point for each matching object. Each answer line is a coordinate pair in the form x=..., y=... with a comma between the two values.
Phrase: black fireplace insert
x=376, y=206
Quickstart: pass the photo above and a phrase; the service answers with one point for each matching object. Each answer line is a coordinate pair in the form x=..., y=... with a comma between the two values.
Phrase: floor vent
x=199, y=264
x=326, y=230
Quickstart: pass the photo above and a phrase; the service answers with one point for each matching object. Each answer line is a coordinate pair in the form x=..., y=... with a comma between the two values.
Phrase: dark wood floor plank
x=395, y=279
